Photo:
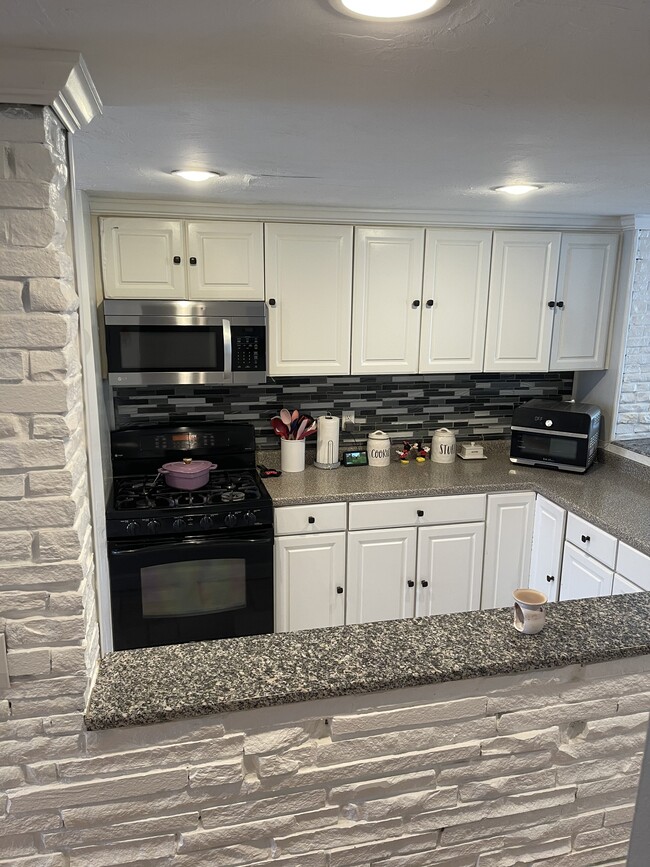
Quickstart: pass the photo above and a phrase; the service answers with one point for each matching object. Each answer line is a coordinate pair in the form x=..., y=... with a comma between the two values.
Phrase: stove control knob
x=206, y=522
x=132, y=528
x=231, y=519
x=250, y=519
x=153, y=527
x=179, y=524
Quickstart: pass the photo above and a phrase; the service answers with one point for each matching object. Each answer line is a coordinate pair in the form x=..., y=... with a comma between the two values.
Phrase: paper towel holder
x=327, y=442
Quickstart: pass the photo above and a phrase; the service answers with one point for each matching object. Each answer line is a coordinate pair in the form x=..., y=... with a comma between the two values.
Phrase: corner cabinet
x=507, y=546
x=173, y=259
x=548, y=540
x=309, y=299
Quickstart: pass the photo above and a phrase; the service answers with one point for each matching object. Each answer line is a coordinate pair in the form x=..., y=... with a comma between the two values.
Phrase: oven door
x=563, y=451
x=174, y=590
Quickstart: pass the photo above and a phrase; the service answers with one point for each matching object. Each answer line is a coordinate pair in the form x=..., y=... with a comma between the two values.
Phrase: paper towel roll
x=327, y=442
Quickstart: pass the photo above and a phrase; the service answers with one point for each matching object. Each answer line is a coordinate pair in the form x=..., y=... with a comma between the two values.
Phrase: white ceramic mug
x=292, y=456
x=530, y=613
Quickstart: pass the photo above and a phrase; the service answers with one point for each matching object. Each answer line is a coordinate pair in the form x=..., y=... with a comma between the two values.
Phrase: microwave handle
x=227, y=351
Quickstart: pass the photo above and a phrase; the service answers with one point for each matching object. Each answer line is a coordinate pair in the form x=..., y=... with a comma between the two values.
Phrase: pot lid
x=188, y=467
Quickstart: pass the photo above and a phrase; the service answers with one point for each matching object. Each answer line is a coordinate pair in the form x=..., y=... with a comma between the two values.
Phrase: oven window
x=152, y=348
x=193, y=587
x=555, y=448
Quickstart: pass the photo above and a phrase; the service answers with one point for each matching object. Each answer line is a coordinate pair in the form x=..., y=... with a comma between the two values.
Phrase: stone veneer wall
x=634, y=407
x=537, y=768
x=476, y=405
x=47, y=610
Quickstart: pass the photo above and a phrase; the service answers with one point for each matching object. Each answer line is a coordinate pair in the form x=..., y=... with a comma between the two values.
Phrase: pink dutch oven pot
x=187, y=475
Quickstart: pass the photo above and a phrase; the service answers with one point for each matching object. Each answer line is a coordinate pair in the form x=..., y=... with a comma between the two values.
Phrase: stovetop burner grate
x=151, y=492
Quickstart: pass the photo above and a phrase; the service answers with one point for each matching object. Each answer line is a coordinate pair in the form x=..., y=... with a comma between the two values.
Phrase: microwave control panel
x=248, y=347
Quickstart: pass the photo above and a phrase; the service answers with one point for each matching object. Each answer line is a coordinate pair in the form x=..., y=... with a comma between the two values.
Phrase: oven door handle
x=167, y=543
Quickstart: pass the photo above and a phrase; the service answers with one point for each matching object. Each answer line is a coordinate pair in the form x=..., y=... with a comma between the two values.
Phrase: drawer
x=593, y=541
x=633, y=565
x=622, y=585
x=416, y=511
x=318, y=518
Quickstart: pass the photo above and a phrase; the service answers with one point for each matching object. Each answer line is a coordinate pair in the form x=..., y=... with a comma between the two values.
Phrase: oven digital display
x=540, y=447
x=193, y=587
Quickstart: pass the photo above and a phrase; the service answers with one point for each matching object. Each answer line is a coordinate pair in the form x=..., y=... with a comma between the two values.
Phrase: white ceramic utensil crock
x=443, y=446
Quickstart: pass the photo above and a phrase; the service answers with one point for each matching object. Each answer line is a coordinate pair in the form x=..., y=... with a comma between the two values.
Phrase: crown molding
x=636, y=221
x=109, y=205
x=31, y=76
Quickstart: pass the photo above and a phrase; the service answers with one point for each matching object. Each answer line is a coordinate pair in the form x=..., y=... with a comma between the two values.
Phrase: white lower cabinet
x=309, y=581
x=548, y=540
x=622, y=585
x=508, y=538
x=449, y=568
x=381, y=574
x=583, y=577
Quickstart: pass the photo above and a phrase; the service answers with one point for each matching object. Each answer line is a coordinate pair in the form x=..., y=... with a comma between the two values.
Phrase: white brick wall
x=633, y=418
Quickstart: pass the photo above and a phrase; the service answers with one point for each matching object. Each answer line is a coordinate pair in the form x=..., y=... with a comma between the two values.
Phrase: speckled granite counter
x=137, y=687
x=613, y=494
x=641, y=446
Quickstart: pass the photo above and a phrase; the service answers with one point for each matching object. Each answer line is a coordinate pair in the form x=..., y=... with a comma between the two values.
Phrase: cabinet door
x=381, y=575
x=450, y=568
x=138, y=258
x=309, y=581
x=455, y=297
x=309, y=297
x=584, y=301
x=622, y=585
x=582, y=576
x=523, y=281
x=508, y=538
x=225, y=261
x=387, y=295
x=548, y=539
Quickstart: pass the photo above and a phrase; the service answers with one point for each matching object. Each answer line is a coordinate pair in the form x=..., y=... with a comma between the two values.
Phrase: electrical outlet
x=347, y=419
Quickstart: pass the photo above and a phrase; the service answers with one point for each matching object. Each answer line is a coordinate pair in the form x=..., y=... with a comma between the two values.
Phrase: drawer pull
x=311, y=520
x=550, y=577
x=411, y=583
x=420, y=513
x=339, y=590
x=586, y=538
x=424, y=583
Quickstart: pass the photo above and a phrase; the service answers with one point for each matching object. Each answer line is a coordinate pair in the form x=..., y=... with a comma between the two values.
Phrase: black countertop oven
x=556, y=434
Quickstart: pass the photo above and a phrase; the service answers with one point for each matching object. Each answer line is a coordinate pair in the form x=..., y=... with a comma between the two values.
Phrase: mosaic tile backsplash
x=476, y=405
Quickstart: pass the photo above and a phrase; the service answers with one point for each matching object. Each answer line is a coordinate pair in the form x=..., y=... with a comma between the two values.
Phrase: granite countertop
x=138, y=687
x=614, y=493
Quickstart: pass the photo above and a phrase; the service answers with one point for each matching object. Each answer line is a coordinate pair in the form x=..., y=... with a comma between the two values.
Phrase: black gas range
x=188, y=565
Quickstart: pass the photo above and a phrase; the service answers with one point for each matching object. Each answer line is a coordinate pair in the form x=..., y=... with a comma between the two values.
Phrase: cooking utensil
x=285, y=415
x=187, y=475
x=279, y=427
x=301, y=430
x=295, y=415
x=267, y=473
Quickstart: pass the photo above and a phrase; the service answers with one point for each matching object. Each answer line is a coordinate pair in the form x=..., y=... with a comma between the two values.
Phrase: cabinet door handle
x=560, y=304
x=551, y=304
x=420, y=513
x=339, y=590
x=192, y=260
x=411, y=583
x=271, y=302
x=416, y=303
x=430, y=302
x=176, y=260
x=424, y=583
x=311, y=520
x=550, y=577
x=586, y=538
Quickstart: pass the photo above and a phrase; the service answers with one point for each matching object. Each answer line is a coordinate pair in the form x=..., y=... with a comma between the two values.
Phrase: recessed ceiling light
x=517, y=189
x=388, y=10
x=190, y=175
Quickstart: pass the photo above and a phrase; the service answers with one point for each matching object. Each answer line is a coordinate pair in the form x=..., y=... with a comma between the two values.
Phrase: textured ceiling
x=300, y=105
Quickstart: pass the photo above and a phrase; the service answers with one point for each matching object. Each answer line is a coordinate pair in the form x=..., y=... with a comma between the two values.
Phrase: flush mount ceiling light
x=388, y=10
x=191, y=175
x=517, y=189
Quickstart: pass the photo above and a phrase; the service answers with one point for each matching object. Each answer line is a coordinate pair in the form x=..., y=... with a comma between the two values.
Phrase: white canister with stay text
x=443, y=446
x=378, y=449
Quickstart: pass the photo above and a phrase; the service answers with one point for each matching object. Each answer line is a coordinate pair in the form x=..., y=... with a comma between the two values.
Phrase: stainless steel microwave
x=185, y=342
x=557, y=434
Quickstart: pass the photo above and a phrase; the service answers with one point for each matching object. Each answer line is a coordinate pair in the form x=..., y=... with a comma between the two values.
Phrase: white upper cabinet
x=387, y=298
x=548, y=540
x=523, y=283
x=584, y=301
x=309, y=297
x=450, y=568
x=142, y=258
x=225, y=260
x=455, y=298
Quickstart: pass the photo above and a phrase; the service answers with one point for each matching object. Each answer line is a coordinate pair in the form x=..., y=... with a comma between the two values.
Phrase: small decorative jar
x=378, y=447
x=443, y=446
